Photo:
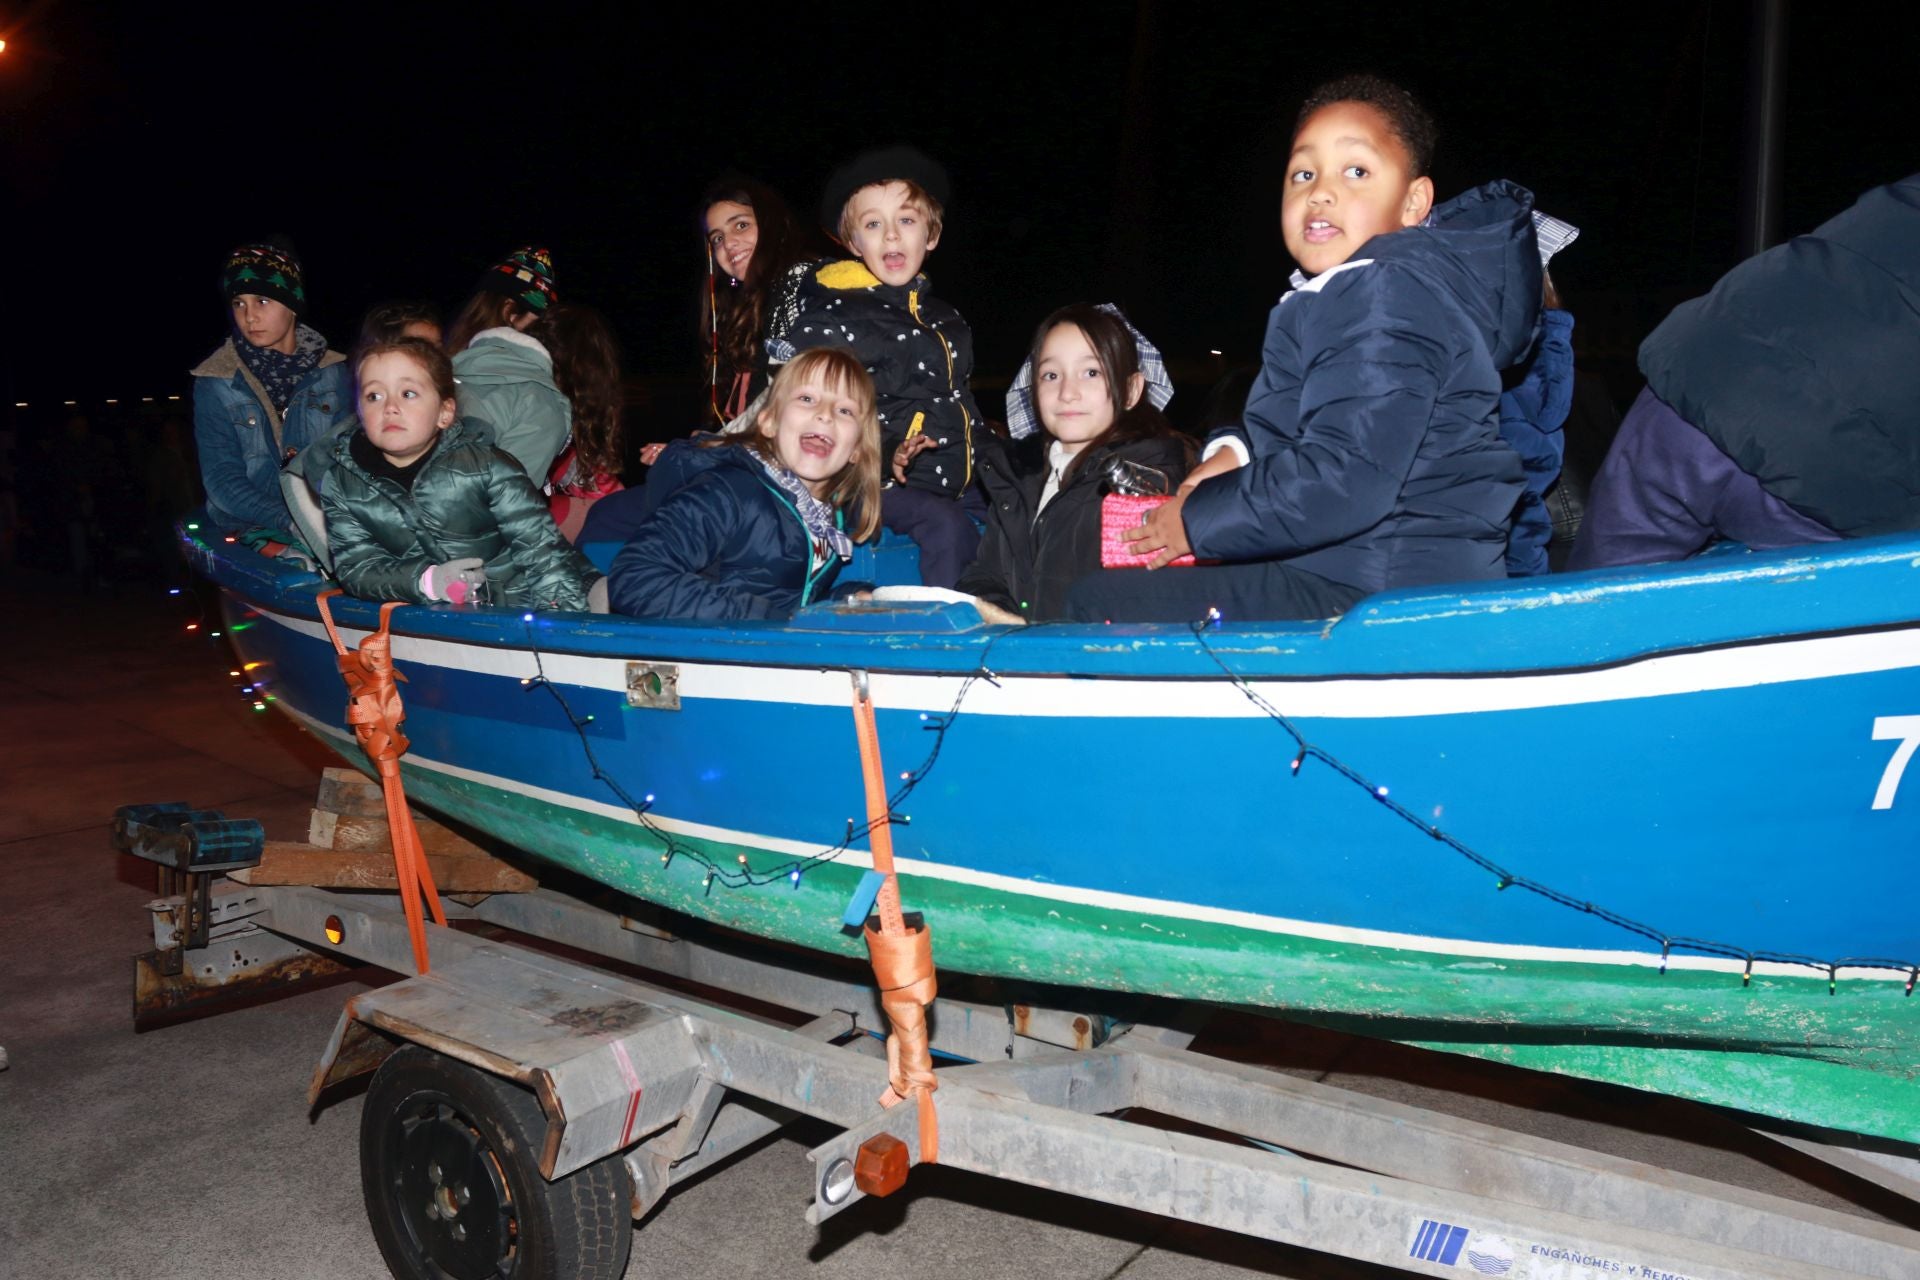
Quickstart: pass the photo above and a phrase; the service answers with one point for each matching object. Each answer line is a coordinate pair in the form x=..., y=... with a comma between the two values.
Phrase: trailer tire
x=449, y=1167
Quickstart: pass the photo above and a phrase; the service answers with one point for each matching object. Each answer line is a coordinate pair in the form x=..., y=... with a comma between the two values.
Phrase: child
x=1781, y=409
x=270, y=390
x=505, y=371
x=586, y=369
x=762, y=528
x=887, y=207
x=512, y=293
x=421, y=507
x=1372, y=455
x=1098, y=387
x=754, y=246
x=407, y=318
x=1532, y=413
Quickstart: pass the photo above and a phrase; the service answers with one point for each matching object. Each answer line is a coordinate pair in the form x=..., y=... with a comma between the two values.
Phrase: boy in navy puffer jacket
x=1371, y=455
x=887, y=206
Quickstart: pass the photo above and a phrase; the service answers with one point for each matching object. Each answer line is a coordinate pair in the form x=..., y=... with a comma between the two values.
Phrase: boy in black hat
x=887, y=207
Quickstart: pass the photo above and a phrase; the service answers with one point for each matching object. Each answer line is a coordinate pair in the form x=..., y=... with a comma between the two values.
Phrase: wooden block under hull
x=286, y=862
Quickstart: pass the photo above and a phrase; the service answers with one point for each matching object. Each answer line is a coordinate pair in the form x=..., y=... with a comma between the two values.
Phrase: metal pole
x=1766, y=93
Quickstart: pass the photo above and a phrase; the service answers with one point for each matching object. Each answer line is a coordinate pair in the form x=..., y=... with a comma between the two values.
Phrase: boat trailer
x=527, y=1106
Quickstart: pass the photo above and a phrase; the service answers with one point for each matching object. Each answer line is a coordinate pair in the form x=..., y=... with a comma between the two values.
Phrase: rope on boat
x=900, y=949
x=375, y=712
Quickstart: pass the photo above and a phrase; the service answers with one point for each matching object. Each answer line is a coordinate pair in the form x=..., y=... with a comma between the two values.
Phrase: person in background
x=420, y=507
x=1781, y=409
x=1534, y=409
x=757, y=257
x=504, y=370
x=405, y=318
x=1097, y=387
x=511, y=294
x=586, y=369
x=271, y=389
x=766, y=517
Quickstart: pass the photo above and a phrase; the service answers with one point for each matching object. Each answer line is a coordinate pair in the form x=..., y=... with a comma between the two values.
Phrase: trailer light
x=880, y=1165
x=335, y=931
x=837, y=1184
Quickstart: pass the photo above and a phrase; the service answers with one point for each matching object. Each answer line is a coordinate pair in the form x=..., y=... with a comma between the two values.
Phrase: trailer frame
x=671, y=1082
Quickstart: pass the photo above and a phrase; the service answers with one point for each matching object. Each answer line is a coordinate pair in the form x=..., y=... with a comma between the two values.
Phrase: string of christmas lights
x=742, y=875
x=1505, y=879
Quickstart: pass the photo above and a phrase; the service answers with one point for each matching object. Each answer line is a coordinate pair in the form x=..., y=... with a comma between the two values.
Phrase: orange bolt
x=880, y=1166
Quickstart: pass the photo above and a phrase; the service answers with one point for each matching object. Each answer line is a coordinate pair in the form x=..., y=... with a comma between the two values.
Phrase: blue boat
x=1649, y=826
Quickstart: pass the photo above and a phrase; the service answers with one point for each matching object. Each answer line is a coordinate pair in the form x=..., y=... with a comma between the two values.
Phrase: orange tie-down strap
x=902, y=955
x=375, y=711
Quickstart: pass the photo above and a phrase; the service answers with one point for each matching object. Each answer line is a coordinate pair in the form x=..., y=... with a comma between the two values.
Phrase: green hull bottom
x=1784, y=1047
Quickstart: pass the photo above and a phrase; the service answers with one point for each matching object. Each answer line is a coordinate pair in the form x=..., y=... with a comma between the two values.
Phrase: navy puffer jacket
x=725, y=544
x=1374, y=425
x=1803, y=365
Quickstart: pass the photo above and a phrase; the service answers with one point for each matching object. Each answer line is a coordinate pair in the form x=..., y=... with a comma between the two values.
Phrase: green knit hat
x=525, y=276
x=268, y=270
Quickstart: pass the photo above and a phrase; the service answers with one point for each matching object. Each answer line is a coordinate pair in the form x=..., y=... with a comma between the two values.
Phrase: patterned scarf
x=814, y=513
x=278, y=372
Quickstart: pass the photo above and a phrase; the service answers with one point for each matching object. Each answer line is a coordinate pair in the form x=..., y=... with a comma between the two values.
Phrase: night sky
x=1124, y=153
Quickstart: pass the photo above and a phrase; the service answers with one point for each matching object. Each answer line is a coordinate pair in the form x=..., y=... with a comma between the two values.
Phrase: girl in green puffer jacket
x=421, y=507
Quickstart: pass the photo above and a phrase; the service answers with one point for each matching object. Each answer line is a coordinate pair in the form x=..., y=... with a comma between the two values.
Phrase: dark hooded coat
x=1374, y=425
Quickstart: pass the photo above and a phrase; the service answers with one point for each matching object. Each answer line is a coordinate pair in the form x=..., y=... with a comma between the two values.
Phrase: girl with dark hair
x=1098, y=388
x=586, y=369
x=753, y=245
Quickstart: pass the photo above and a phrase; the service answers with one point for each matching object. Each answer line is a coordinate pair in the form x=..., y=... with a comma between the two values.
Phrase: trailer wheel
x=449, y=1168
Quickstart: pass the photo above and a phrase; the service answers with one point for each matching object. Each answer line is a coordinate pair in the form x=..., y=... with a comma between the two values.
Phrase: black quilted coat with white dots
x=920, y=353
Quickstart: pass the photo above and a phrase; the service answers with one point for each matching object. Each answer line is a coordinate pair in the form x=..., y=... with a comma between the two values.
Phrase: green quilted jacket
x=469, y=499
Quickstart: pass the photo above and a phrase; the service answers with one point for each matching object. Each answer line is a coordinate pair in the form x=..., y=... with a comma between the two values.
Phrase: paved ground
x=188, y=1151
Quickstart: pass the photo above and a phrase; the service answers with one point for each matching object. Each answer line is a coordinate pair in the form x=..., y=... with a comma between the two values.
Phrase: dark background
x=1113, y=152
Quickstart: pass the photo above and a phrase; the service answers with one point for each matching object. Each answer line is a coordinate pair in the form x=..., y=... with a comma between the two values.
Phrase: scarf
x=279, y=373
x=1023, y=419
x=814, y=513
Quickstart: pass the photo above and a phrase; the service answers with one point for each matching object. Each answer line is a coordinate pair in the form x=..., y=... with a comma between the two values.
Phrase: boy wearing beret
x=888, y=208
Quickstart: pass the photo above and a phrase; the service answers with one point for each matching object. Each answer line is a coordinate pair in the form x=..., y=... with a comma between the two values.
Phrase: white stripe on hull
x=1749, y=666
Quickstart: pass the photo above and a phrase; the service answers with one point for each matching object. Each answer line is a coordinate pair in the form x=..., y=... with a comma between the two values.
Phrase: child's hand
x=649, y=454
x=994, y=616
x=1162, y=533
x=456, y=581
x=909, y=449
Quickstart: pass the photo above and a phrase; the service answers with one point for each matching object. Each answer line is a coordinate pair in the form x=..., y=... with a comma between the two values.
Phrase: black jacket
x=920, y=353
x=1803, y=365
x=726, y=544
x=1027, y=562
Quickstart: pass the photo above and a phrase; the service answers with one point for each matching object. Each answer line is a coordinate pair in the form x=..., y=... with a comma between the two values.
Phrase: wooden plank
x=289, y=862
x=353, y=835
x=350, y=792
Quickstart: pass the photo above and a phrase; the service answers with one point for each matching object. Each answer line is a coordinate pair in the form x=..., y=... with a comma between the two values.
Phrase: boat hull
x=1701, y=886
